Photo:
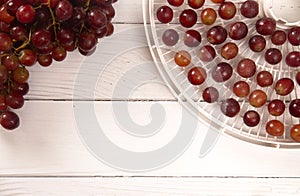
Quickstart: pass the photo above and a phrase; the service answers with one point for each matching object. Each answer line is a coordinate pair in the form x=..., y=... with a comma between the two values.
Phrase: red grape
x=9, y=120
x=188, y=18
x=264, y=78
x=278, y=37
x=25, y=14
x=63, y=10
x=246, y=68
x=176, y=3
x=14, y=100
x=251, y=118
x=196, y=4
x=230, y=107
x=294, y=36
x=273, y=56
x=265, y=26
x=294, y=108
x=227, y=10
x=284, y=86
x=6, y=43
x=222, y=72
x=210, y=94
x=275, y=128
x=292, y=59
x=216, y=35
x=257, y=43
x=276, y=107
x=197, y=75
x=208, y=16
x=164, y=14
x=207, y=53
x=192, y=38
x=249, y=9
x=27, y=57
x=297, y=77
x=229, y=50
x=241, y=89
x=295, y=132
x=170, y=37
x=20, y=75
x=238, y=30
x=258, y=98
x=182, y=58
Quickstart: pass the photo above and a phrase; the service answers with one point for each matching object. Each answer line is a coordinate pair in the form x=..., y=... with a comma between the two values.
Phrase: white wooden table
x=48, y=155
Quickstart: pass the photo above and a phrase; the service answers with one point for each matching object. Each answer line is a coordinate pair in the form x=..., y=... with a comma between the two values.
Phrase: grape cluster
x=223, y=27
x=43, y=31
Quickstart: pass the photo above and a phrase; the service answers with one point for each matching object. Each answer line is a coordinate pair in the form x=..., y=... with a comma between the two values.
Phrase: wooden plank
x=149, y=186
x=49, y=143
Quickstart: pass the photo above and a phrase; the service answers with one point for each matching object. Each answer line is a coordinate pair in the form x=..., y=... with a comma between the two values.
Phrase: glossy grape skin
x=9, y=120
x=257, y=43
x=164, y=14
x=294, y=36
x=265, y=26
x=241, y=89
x=21, y=89
x=292, y=59
x=18, y=33
x=6, y=43
x=249, y=9
x=297, y=77
x=251, y=118
x=210, y=94
x=216, y=35
x=10, y=61
x=258, y=98
x=59, y=53
x=170, y=37
x=246, y=68
x=192, y=38
x=87, y=41
x=197, y=75
x=284, y=86
x=264, y=78
x=207, y=53
x=4, y=15
x=25, y=14
x=295, y=132
x=294, y=108
x=230, y=107
x=182, y=58
x=222, y=72
x=20, y=75
x=45, y=60
x=238, y=31
x=275, y=128
x=188, y=18
x=63, y=10
x=96, y=18
x=278, y=37
x=273, y=56
x=276, y=107
x=41, y=38
x=229, y=50
x=176, y=3
x=208, y=16
x=27, y=57
x=196, y=4
x=217, y=1
x=14, y=100
x=227, y=10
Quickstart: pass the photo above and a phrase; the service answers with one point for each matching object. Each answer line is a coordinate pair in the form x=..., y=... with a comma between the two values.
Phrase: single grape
x=229, y=50
x=27, y=57
x=176, y=3
x=170, y=37
x=210, y=94
x=14, y=100
x=164, y=14
x=227, y=10
x=9, y=120
x=276, y=107
x=251, y=118
x=258, y=98
x=294, y=108
x=295, y=132
x=222, y=72
x=292, y=59
x=59, y=53
x=196, y=4
x=273, y=56
x=25, y=14
x=87, y=41
x=182, y=58
x=63, y=10
x=208, y=16
x=11, y=61
x=249, y=9
x=264, y=78
x=41, y=38
x=238, y=30
x=294, y=36
x=6, y=42
x=4, y=15
x=284, y=86
x=197, y=75
x=297, y=77
x=230, y=107
x=275, y=128
x=20, y=75
x=265, y=26
x=257, y=43
x=18, y=33
x=192, y=38
x=217, y=1
x=188, y=18
x=241, y=89
x=216, y=35
x=207, y=53
x=278, y=37
x=246, y=68
x=21, y=89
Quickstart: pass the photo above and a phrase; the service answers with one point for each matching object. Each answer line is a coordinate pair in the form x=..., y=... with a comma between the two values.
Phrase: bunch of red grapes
x=217, y=38
x=40, y=31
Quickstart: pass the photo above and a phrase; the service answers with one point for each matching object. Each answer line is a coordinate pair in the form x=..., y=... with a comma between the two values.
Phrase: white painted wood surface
x=46, y=155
